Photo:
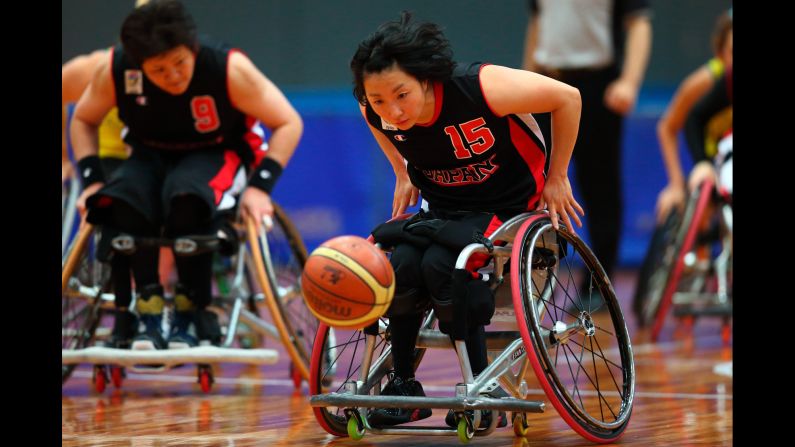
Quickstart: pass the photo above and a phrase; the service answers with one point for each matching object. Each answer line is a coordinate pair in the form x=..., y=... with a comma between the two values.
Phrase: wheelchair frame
x=517, y=349
x=69, y=195
x=695, y=301
x=253, y=258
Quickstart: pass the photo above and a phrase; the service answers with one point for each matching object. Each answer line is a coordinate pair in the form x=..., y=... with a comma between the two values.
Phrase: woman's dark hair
x=721, y=31
x=419, y=49
x=157, y=27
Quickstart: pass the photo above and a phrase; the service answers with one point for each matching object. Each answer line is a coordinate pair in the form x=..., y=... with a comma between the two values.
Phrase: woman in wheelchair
x=694, y=87
x=717, y=99
x=191, y=107
x=463, y=134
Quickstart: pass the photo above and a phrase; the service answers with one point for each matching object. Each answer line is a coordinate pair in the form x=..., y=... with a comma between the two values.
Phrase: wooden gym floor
x=683, y=397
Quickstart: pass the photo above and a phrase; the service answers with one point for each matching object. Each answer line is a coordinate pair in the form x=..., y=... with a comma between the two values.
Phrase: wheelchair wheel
x=580, y=351
x=69, y=217
x=83, y=280
x=655, y=269
x=682, y=277
x=337, y=357
x=279, y=256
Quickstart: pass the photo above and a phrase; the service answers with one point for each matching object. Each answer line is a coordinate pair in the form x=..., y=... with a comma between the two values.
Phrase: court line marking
x=724, y=369
x=434, y=388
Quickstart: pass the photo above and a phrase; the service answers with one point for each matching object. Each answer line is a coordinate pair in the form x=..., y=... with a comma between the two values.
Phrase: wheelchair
x=70, y=191
x=688, y=267
x=583, y=361
x=265, y=268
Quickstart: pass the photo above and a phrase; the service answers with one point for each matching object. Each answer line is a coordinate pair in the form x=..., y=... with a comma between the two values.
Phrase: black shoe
x=149, y=305
x=183, y=323
x=394, y=416
x=148, y=338
x=485, y=418
x=183, y=331
x=124, y=327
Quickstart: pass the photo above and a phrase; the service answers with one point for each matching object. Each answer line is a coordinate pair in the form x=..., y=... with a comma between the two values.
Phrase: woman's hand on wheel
x=257, y=203
x=558, y=199
x=88, y=192
x=702, y=171
x=671, y=197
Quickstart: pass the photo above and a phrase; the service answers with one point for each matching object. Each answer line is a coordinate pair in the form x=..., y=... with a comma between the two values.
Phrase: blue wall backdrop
x=338, y=181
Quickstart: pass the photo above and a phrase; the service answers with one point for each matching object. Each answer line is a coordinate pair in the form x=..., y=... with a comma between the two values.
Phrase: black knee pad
x=408, y=302
x=480, y=303
x=472, y=305
x=444, y=313
x=453, y=318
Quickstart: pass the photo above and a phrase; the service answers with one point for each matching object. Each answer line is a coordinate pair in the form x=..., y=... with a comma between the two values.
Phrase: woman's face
x=398, y=97
x=172, y=70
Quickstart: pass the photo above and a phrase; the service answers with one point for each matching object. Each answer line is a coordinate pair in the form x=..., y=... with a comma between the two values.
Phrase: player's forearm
x=636, y=50
x=85, y=140
x=284, y=140
x=669, y=150
x=565, y=126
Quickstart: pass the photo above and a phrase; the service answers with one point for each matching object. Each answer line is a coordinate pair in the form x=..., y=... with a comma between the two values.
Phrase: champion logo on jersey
x=400, y=137
x=140, y=100
x=133, y=82
x=387, y=126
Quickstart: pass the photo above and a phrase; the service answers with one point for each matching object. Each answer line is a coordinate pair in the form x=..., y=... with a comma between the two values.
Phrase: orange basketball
x=348, y=282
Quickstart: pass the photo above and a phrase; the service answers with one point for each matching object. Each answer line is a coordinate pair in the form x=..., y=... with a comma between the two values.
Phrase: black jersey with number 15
x=468, y=158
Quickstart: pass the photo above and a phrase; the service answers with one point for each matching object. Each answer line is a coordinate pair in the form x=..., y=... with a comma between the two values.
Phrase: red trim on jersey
x=484, y=93
x=228, y=56
x=438, y=95
x=254, y=141
x=225, y=176
x=532, y=155
x=110, y=71
x=479, y=260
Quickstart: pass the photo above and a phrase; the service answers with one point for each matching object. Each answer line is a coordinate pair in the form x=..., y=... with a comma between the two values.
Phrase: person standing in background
x=601, y=47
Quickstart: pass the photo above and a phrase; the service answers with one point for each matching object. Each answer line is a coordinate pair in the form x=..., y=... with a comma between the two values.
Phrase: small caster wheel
x=206, y=378
x=520, y=425
x=100, y=378
x=295, y=374
x=355, y=427
x=117, y=375
x=726, y=333
x=465, y=429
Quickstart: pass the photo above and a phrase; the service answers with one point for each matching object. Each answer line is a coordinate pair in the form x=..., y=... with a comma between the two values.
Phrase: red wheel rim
x=204, y=381
x=99, y=379
x=116, y=376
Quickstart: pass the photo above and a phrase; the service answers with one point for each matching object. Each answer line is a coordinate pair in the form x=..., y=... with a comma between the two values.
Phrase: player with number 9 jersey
x=192, y=109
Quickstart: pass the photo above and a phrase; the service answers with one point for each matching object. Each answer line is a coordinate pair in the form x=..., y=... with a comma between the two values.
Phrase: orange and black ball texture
x=348, y=282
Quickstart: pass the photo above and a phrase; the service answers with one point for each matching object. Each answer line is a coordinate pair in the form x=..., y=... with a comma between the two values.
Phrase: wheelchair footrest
x=347, y=400
x=168, y=357
x=708, y=310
